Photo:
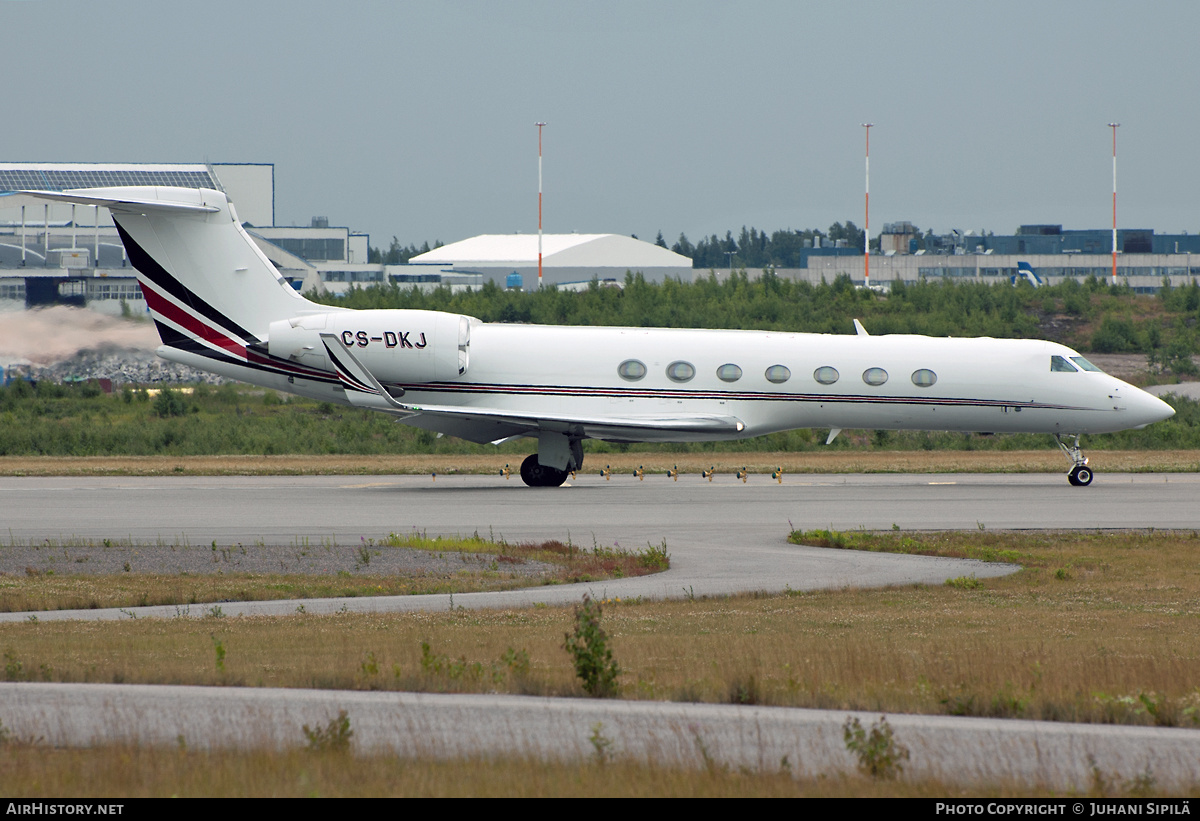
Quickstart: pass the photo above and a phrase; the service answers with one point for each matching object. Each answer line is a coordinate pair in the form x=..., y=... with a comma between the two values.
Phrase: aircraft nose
x=1147, y=409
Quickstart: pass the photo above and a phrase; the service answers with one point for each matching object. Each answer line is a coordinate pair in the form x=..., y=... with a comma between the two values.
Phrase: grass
x=486, y=565
x=133, y=772
x=1111, y=639
x=1097, y=627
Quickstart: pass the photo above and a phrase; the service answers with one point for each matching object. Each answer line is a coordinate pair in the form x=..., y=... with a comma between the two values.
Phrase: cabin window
x=924, y=378
x=729, y=373
x=875, y=376
x=826, y=375
x=680, y=371
x=631, y=369
x=778, y=374
x=1083, y=363
x=1060, y=365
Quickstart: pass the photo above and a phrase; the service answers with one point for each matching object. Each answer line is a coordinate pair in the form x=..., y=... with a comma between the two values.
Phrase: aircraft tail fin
x=205, y=281
x=1025, y=271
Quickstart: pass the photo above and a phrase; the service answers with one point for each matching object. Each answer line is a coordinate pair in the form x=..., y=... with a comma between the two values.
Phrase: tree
x=849, y=232
x=394, y=252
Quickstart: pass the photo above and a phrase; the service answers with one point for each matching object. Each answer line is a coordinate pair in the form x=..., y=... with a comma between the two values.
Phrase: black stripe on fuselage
x=263, y=364
x=569, y=391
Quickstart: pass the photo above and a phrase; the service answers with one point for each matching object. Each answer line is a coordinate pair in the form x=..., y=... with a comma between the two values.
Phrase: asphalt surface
x=758, y=739
x=725, y=536
x=725, y=513
x=1191, y=390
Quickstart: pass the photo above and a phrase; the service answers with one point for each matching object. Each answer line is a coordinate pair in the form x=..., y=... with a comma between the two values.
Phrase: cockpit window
x=1060, y=365
x=1083, y=363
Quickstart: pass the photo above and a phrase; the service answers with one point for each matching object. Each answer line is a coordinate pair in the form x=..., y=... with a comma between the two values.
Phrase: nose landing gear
x=1080, y=474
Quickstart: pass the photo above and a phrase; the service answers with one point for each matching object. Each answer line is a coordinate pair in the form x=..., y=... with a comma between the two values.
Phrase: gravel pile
x=122, y=367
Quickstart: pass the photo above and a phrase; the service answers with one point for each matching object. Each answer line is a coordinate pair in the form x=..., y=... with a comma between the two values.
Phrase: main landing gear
x=1080, y=474
x=535, y=474
x=558, y=454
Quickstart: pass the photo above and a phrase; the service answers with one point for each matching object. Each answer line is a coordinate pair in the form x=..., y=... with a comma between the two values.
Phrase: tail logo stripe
x=150, y=268
x=189, y=324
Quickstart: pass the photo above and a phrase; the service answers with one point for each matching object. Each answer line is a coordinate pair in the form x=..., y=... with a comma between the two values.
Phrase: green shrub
x=588, y=646
x=169, y=403
x=878, y=754
x=333, y=737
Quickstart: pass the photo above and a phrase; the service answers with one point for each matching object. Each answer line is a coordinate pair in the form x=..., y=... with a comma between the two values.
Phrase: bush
x=879, y=756
x=588, y=646
x=333, y=737
x=169, y=403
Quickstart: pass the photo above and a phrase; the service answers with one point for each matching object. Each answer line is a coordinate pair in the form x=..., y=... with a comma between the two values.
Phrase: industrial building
x=512, y=259
x=1145, y=259
x=54, y=252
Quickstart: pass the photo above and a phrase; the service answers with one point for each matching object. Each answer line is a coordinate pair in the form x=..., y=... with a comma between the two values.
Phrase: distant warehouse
x=566, y=258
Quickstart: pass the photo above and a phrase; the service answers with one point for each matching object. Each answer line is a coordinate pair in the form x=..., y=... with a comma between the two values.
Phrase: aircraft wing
x=490, y=424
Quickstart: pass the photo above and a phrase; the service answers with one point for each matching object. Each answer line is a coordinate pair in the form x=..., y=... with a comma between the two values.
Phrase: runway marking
x=942, y=483
x=368, y=484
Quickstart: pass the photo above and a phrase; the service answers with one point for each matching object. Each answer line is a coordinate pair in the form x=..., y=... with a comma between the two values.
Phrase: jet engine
x=397, y=346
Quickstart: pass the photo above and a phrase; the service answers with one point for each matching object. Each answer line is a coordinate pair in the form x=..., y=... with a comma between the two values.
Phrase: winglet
x=859, y=329
x=360, y=384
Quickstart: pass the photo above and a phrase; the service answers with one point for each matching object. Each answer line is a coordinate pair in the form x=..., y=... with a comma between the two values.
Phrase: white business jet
x=221, y=306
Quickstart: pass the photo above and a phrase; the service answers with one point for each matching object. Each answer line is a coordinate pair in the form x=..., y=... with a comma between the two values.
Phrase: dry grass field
x=31, y=771
x=1097, y=627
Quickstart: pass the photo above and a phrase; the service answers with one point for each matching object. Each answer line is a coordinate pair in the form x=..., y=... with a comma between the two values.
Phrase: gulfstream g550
x=220, y=305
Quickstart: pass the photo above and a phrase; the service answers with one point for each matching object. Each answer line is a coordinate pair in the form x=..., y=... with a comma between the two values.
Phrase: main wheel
x=1080, y=476
x=535, y=474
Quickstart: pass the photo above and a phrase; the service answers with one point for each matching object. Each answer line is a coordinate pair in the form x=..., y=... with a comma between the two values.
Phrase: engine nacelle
x=398, y=346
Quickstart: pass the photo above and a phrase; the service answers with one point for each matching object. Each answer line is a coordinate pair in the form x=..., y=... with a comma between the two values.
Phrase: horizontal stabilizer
x=111, y=199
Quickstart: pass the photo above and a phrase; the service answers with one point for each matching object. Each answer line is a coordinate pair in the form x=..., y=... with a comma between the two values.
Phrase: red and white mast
x=539, y=128
x=867, y=218
x=1114, y=127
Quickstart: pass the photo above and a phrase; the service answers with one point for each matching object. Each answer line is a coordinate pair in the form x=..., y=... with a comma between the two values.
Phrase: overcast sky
x=417, y=118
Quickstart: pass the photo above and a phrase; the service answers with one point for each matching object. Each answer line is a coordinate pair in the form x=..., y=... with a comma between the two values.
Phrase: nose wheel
x=1080, y=474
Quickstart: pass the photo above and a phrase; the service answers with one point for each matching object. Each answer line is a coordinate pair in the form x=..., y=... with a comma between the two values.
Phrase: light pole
x=1114, y=127
x=540, y=126
x=867, y=217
